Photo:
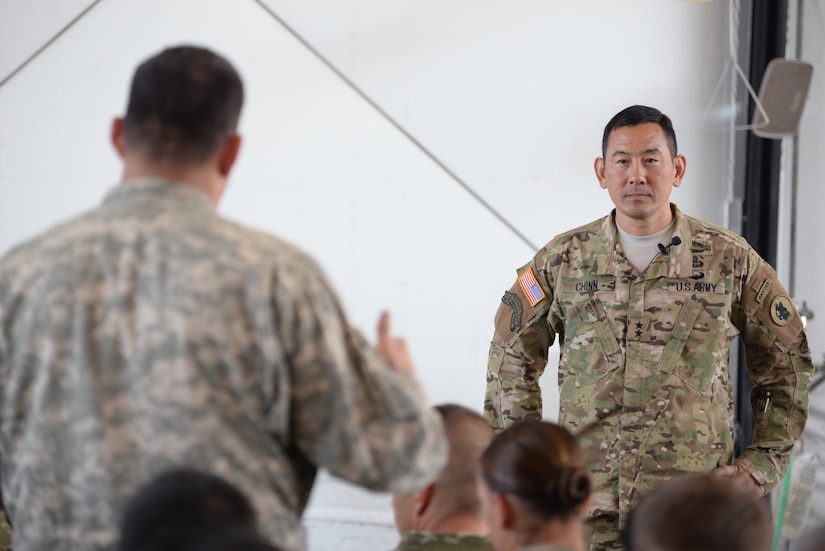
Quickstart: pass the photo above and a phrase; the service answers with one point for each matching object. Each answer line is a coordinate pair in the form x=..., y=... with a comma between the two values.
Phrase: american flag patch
x=531, y=287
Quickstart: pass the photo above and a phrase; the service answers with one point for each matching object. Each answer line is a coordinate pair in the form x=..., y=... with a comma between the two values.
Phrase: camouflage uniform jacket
x=152, y=333
x=419, y=541
x=644, y=366
x=5, y=533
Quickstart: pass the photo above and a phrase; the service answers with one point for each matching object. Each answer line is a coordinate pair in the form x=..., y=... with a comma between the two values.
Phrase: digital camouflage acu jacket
x=420, y=541
x=152, y=333
x=644, y=368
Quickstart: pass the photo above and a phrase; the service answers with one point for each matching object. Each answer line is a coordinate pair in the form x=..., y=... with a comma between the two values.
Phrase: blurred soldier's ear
x=116, y=136
x=502, y=508
x=229, y=154
x=423, y=498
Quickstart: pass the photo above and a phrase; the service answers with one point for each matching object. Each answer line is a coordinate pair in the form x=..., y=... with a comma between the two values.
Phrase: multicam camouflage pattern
x=644, y=369
x=420, y=541
x=602, y=533
x=152, y=333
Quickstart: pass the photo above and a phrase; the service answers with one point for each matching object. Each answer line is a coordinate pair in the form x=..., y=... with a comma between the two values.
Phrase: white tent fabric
x=511, y=96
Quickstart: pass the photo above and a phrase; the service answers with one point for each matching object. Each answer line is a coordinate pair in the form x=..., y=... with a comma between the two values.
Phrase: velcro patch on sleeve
x=518, y=309
x=782, y=310
x=763, y=290
x=532, y=289
x=513, y=302
x=773, y=308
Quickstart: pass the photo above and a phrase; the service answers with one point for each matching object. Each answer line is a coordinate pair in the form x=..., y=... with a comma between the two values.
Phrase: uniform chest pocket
x=693, y=352
x=591, y=350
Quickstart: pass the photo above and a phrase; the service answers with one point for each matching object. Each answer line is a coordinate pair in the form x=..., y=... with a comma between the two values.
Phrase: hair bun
x=573, y=486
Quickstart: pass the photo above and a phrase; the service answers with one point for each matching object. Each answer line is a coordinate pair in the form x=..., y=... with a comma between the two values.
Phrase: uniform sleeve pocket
x=492, y=398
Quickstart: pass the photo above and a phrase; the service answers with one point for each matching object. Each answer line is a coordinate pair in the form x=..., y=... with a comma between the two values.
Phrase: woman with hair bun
x=537, y=488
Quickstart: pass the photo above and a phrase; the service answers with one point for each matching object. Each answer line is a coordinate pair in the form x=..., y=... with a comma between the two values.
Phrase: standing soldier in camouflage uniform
x=152, y=333
x=646, y=303
x=447, y=514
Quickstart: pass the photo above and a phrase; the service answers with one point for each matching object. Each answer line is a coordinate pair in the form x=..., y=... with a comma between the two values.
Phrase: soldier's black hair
x=179, y=507
x=640, y=114
x=183, y=103
x=234, y=539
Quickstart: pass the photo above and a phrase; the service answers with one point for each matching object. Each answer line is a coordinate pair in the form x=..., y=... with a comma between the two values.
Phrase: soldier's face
x=639, y=173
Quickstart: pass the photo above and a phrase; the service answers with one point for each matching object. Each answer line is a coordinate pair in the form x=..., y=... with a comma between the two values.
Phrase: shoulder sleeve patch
x=769, y=303
x=520, y=307
x=782, y=310
x=532, y=289
x=763, y=290
x=513, y=302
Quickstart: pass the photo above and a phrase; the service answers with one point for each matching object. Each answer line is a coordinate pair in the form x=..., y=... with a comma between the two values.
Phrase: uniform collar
x=159, y=189
x=414, y=538
x=677, y=263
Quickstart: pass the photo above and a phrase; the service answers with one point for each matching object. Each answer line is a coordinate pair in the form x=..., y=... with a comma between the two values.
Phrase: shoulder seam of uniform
x=593, y=228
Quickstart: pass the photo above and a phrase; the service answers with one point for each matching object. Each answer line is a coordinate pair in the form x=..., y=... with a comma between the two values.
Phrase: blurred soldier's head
x=180, y=507
x=235, y=539
x=181, y=120
x=453, y=498
x=536, y=486
x=700, y=511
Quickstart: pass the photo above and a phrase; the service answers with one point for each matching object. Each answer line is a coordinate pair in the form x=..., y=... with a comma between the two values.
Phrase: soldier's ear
x=503, y=514
x=598, y=167
x=679, y=168
x=117, y=138
x=423, y=498
x=229, y=154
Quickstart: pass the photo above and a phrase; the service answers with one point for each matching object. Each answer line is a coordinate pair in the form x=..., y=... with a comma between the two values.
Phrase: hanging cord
x=49, y=43
x=397, y=125
x=733, y=69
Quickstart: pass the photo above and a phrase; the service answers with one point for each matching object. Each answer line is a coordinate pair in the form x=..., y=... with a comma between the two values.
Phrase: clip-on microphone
x=673, y=242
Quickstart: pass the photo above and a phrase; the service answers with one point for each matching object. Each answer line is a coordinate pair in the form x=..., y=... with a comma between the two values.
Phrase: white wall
x=512, y=96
